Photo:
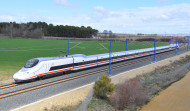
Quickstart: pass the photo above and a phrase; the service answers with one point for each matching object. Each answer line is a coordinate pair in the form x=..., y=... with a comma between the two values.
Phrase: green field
x=15, y=52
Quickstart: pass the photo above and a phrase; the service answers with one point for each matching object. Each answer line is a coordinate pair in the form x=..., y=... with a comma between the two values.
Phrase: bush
x=103, y=86
x=129, y=95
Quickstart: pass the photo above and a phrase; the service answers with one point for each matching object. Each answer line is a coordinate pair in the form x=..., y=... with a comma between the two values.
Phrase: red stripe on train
x=97, y=63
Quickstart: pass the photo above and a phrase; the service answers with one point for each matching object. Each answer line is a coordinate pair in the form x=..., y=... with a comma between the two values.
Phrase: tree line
x=39, y=29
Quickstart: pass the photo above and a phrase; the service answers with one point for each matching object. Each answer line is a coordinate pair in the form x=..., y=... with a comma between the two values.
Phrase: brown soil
x=5, y=80
x=174, y=98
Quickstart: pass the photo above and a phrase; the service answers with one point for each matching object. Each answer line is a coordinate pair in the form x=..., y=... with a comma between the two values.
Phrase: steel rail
x=32, y=88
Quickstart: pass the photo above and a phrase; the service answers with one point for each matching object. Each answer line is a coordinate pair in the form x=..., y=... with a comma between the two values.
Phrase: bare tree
x=105, y=32
x=11, y=29
x=110, y=34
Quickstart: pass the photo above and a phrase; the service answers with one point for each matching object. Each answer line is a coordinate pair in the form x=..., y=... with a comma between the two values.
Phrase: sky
x=119, y=16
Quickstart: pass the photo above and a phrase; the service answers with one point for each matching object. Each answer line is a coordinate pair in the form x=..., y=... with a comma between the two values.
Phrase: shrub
x=129, y=95
x=103, y=86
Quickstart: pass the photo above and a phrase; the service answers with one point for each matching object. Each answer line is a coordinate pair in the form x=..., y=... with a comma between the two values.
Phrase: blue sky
x=120, y=16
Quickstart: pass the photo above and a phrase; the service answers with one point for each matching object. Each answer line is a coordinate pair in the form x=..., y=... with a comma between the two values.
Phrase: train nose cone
x=18, y=76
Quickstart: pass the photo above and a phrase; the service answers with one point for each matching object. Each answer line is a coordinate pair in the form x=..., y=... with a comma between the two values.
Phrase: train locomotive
x=39, y=67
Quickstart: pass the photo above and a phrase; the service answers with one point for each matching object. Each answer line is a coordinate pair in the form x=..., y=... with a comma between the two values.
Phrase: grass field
x=15, y=52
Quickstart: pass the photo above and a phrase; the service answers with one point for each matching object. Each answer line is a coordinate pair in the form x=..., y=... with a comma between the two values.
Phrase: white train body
x=39, y=67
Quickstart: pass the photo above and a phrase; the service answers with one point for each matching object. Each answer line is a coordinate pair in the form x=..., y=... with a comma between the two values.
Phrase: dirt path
x=174, y=98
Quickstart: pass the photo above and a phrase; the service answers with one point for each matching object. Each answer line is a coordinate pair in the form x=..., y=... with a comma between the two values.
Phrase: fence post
x=126, y=44
x=154, y=55
x=176, y=47
x=184, y=42
x=68, y=47
x=187, y=44
x=110, y=53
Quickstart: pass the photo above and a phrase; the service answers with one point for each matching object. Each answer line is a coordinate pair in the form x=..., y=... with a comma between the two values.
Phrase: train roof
x=60, y=57
x=101, y=55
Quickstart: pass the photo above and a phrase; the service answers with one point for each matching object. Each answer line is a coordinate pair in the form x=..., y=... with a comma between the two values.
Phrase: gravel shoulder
x=75, y=97
x=174, y=98
x=72, y=98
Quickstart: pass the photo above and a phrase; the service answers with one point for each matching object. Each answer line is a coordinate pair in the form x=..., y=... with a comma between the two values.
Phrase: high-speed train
x=39, y=67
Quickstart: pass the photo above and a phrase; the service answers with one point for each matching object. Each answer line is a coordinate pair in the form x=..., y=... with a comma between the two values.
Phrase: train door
x=41, y=70
x=48, y=66
x=97, y=61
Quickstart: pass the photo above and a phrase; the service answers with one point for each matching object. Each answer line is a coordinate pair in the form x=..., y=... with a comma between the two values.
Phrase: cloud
x=171, y=19
x=100, y=13
x=99, y=9
x=162, y=1
x=24, y=18
x=5, y=17
x=65, y=3
x=160, y=19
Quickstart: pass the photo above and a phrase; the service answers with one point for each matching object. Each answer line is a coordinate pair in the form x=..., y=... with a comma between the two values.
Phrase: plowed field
x=174, y=98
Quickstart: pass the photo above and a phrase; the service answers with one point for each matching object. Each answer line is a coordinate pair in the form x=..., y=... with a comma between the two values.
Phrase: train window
x=76, y=64
x=31, y=63
x=61, y=67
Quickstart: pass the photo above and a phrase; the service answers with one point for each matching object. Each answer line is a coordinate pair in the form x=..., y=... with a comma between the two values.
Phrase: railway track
x=11, y=85
x=32, y=88
x=8, y=86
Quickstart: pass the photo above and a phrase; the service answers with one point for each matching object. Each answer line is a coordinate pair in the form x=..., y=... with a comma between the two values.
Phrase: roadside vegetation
x=162, y=77
x=129, y=95
x=103, y=87
x=132, y=94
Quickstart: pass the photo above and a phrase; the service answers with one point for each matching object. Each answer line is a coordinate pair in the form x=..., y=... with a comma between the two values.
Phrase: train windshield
x=31, y=63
